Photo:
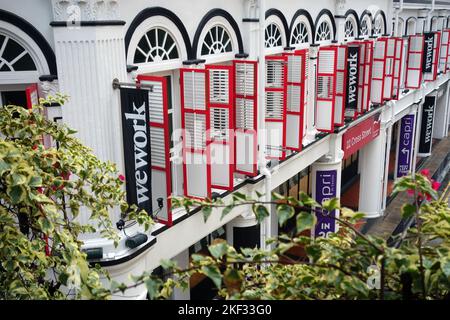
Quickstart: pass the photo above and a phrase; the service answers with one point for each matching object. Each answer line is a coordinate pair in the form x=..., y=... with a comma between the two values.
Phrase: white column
x=422, y=21
x=90, y=53
x=243, y=226
x=88, y=59
x=372, y=175
x=440, y=129
x=339, y=19
x=326, y=184
x=182, y=260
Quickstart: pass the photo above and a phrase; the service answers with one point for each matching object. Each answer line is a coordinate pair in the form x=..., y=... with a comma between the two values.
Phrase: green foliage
x=41, y=191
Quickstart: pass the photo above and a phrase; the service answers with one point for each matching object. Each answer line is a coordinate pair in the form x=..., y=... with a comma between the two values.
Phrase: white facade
x=79, y=47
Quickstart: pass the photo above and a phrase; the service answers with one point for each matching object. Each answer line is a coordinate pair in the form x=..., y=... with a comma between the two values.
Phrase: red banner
x=358, y=136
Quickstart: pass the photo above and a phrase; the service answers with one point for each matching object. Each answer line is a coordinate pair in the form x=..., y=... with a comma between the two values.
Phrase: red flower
x=435, y=185
x=121, y=177
x=410, y=192
x=425, y=172
x=35, y=147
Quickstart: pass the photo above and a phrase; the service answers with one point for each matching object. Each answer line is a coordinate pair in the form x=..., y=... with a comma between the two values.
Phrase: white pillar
x=182, y=260
x=440, y=129
x=339, y=19
x=90, y=53
x=89, y=56
x=422, y=21
x=326, y=184
x=372, y=162
x=247, y=232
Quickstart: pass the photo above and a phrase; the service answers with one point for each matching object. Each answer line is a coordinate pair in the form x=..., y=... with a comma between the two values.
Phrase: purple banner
x=325, y=189
x=405, y=145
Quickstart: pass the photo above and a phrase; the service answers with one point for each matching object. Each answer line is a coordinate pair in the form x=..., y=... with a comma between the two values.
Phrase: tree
x=346, y=265
x=42, y=191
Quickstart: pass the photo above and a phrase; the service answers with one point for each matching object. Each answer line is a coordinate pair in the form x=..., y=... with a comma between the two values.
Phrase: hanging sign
x=427, y=59
x=405, y=145
x=352, y=78
x=136, y=147
x=426, y=127
x=358, y=136
x=326, y=188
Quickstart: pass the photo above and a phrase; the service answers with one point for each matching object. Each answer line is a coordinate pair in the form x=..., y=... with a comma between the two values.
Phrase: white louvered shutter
x=368, y=62
x=275, y=111
x=414, y=62
x=195, y=124
x=398, y=64
x=431, y=76
x=220, y=104
x=296, y=98
x=160, y=145
x=378, y=71
x=389, y=69
x=443, y=54
x=341, y=85
x=246, y=139
x=326, y=88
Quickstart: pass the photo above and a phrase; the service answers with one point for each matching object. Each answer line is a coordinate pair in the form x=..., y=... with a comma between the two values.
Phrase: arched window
x=300, y=34
x=366, y=26
x=324, y=32
x=155, y=46
x=273, y=36
x=434, y=24
x=217, y=40
x=379, y=25
x=411, y=25
x=351, y=27
x=14, y=57
x=301, y=29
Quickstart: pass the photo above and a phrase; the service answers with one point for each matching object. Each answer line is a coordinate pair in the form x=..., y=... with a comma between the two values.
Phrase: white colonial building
x=315, y=96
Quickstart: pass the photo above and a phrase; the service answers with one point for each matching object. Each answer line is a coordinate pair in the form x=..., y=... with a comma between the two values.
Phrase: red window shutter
x=443, y=55
x=220, y=95
x=246, y=139
x=389, y=69
x=378, y=71
x=398, y=60
x=160, y=145
x=32, y=95
x=341, y=85
x=195, y=122
x=368, y=62
x=431, y=76
x=275, y=111
x=326, y=88
x=414, y=62
x=296, y=98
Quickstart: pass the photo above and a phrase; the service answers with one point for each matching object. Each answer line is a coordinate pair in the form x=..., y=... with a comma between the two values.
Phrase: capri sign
x=326, y=188
x=405, y=145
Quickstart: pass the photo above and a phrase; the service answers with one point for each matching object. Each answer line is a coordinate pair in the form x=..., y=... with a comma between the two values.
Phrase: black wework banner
x=426, y=128
x=352, y=78
x=136, y=147
x=427, y=59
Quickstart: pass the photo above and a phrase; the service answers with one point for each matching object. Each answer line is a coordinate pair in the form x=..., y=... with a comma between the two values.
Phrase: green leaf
x=285, y=212
x=239, y=196
x=219, y=249
x=17, y=193
x=213, y=273
x=277, y=196
x=35, y=182
x=259, y=194
x=45, y=225
x=305, y=221
x=226, y=211
x=445, y=266
x=260, y=212
x=307, y=200
x=168, y=264
x=206, y=210
x=408, y=210
x=331, y=204
x=153, y=286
